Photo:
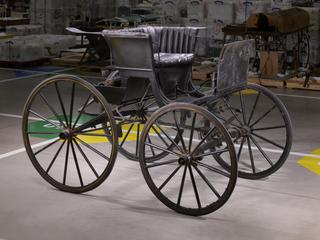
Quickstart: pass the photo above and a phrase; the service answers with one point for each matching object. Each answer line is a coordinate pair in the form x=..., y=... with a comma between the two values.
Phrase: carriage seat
x=172, y=59
x=172, y=50
x=172, y=46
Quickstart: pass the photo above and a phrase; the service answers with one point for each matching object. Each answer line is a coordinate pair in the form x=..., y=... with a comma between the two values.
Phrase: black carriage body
x=163, y=55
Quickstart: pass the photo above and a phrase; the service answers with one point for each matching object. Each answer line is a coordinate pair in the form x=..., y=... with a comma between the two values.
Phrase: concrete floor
x=286, y=206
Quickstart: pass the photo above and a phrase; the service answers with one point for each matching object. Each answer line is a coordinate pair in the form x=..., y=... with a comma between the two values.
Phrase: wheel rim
x=262, y=136
x=188, y=180
x=304, y=50
x=69, y=148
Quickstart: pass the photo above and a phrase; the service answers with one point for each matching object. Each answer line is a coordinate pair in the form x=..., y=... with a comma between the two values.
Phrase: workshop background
x=44, y=38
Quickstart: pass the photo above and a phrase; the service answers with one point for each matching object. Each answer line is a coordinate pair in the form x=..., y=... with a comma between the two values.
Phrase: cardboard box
x=224, y=10
x=214, y=28
x=196, y=9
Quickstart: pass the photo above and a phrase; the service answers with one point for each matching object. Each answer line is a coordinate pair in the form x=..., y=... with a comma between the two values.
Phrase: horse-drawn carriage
x=191, y=145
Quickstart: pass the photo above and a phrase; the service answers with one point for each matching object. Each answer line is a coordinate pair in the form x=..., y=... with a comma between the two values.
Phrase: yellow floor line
x=311, y=163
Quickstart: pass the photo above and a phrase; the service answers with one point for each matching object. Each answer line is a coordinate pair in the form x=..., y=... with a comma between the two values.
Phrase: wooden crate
x=271, y=63
x=73, y=60
x=202, y=72
x=292, y=83
x=70, y=60
x=267, y=82
x=298, y=83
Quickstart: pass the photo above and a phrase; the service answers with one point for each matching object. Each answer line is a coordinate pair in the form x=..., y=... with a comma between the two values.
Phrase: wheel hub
x=245, y=131
x=67, y=134
x=186, y=160
x=182, y=161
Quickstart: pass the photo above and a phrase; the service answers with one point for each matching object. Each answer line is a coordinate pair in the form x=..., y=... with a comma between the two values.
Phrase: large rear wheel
x=71, y=150
x=260, y=127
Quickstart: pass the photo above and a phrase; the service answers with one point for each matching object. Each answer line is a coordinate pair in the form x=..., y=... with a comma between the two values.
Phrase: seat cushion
x=172, y=59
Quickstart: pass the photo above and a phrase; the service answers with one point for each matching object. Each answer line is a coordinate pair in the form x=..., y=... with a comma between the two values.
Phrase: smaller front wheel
x=188, y=179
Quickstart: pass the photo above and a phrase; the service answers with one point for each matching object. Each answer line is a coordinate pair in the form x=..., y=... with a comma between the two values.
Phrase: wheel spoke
x=192, y=130
x=251, y=156
x=46, y=147
x=137, y=140
x=91, y=123
x=207, y=181
x=94, y=134
x=202, y=140
x=127, y=134
x=243, y=108
x=55, y=157
x=254, y=107
x=269, y=141
x=86, y=158
x=43, y=133
x=261, y=150
x=269, y=128
x=77, y=163
x=61, y=102
x=91, y=130
x=182, y=185
x=163, y=149
x=152, y=150
x=169, y=138
x=218, y=152
x=179, y=131
x=159, y=135
x=52, y=110
x=168, y=162
x=169, y=178
x=214, y=169
x=240, y=149
x=71, y=103
x=232, y=112
x=194, y=187
x=227, y=122
x=263, y=115
x=93, y=149
x=66, y=164
x=81, y=111
x=45, y=119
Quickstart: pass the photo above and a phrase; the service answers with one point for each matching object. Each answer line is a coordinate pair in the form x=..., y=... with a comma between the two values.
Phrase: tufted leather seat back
x=171, y=39
x=178, y=40
x=172, y=55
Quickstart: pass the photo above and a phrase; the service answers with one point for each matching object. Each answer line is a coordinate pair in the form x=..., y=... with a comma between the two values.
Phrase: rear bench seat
x=173, y=49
